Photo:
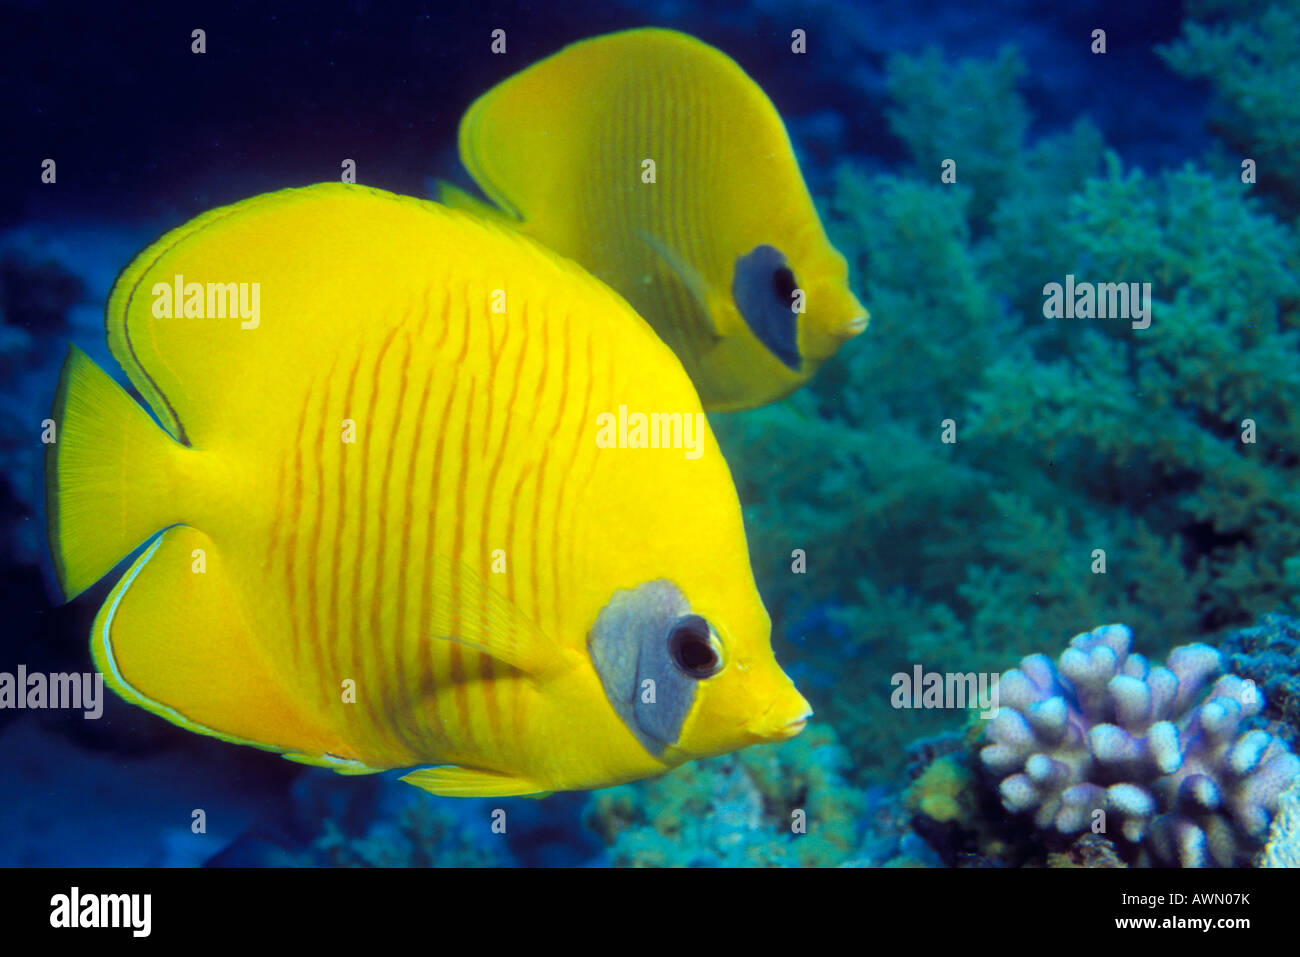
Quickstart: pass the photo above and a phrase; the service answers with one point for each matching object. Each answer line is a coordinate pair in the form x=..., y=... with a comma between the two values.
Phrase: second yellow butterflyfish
x=653, y=160
x=425, y=496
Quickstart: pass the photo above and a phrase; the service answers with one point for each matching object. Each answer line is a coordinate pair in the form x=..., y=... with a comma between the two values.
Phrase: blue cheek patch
x=629, y=648
x=762, y=287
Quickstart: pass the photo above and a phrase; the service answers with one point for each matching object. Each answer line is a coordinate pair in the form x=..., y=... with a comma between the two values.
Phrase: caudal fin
x=110, y=475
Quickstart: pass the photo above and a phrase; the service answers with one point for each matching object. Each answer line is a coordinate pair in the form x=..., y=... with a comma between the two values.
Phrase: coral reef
x=1269, y=655
x=1091, y=850
x=424, y=834
x=1103, y=733
x=775, y=806
x=371, y=821
x=950, y=812
x=1283, y=848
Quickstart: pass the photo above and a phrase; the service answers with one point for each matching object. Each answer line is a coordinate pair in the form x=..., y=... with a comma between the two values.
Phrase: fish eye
x=783, y=284
x=693, y=648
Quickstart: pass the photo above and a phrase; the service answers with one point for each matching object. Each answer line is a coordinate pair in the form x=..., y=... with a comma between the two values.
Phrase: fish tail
x=110, y=475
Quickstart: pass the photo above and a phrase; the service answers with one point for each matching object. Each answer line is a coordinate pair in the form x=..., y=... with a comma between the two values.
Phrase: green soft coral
x=1146, y=425
x=1247, y=50
x=937, y=122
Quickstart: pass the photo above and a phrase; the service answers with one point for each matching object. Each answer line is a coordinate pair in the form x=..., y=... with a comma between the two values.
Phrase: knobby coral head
x=1103, y=734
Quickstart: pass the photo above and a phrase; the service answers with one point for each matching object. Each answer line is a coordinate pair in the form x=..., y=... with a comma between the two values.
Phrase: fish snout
x=854, y=326
x=787, y=716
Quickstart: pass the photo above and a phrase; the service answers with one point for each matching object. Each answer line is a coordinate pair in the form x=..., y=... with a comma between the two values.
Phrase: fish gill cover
x=1077, y=403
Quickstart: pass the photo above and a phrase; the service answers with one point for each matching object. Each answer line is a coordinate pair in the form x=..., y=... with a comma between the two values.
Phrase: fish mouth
x=791, y=729
x=855, y=325
x=786, y=731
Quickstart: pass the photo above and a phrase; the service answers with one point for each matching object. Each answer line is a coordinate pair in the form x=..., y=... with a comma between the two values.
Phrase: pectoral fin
x=688, y=275
x=478, y=616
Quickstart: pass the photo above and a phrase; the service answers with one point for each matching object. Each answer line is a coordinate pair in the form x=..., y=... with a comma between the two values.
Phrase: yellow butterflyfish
x=653, y=160
x=389, y=520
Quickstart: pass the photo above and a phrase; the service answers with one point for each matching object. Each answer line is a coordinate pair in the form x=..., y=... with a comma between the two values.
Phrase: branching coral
x=1104, y=733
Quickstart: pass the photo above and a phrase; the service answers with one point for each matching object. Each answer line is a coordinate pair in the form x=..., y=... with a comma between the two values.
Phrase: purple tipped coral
x=1104, y=731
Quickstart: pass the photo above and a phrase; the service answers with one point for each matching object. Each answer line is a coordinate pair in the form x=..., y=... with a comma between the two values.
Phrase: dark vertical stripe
x=458, y=543
x=537, y=488
x=490, y=701
x=370, y=672
x=535, y=536
x=430, y=595
x=526, y=472
x=421, y=686
x=402, y=642
x=335, y=579
x=314, y=630
x=452, y=649
x=496, y=349
x=292, y=522
x=565, y=500
x=689, y=327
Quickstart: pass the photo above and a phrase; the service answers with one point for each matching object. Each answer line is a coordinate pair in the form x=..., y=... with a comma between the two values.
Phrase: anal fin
x=452, y=781
x=178, y=639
